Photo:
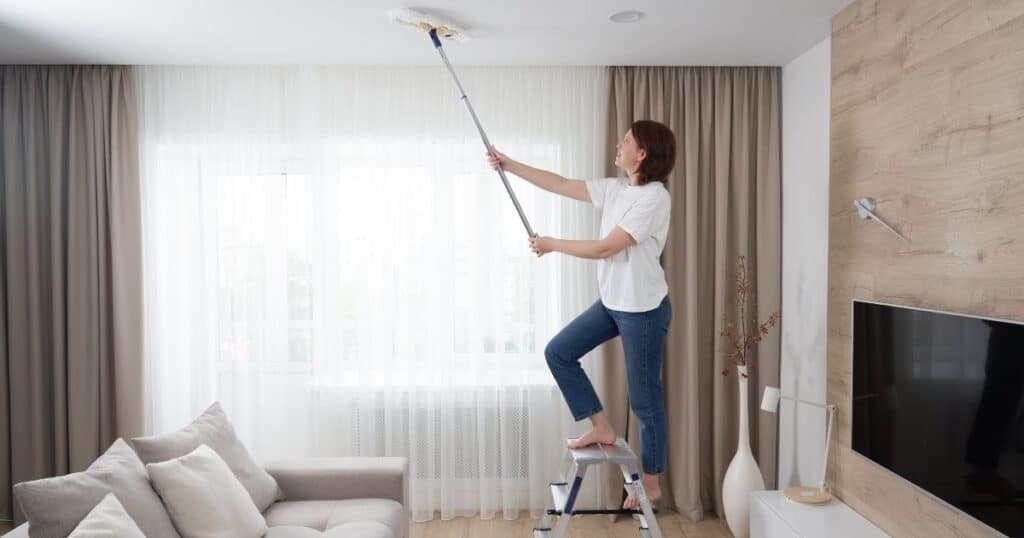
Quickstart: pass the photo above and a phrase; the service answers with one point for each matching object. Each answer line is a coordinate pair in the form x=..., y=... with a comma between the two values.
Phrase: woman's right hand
x=497, y=159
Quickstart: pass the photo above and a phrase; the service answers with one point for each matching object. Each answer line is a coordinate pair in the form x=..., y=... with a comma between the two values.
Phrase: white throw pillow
x=204, y=498
x=106, y=519
x=213, y=429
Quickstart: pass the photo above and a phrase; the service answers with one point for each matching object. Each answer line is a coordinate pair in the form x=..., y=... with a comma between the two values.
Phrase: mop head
x=418, y=19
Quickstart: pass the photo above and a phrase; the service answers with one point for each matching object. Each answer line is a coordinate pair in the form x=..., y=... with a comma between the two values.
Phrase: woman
x=634, y=295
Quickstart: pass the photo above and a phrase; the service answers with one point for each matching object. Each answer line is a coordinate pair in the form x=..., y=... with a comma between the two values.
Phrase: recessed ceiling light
x=626, y=16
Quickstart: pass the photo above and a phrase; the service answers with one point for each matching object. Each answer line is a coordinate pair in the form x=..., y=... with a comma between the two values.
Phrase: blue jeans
x=643, y=336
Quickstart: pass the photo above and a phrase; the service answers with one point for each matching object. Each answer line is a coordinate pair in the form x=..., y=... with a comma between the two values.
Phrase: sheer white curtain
x=328, y=255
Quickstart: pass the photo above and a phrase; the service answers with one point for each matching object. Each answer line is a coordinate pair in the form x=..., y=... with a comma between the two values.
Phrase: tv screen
x=937, y=400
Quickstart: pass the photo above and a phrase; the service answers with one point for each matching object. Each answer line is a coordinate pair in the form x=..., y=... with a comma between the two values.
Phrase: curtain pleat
x=70, y=269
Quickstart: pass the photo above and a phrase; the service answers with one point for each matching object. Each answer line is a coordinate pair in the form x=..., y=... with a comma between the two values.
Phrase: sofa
x=353, y=497
x=333, y=497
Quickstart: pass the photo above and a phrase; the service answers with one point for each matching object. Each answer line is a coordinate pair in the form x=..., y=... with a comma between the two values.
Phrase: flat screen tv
x=937, y=401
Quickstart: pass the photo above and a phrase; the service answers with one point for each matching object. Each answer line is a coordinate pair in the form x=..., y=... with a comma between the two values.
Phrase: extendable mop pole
x=480, y=129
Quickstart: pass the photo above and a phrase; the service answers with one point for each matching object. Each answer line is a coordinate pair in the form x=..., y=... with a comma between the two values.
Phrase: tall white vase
x=743, y=474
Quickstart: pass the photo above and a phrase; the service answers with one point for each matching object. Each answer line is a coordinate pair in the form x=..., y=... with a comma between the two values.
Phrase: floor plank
x=672, y=526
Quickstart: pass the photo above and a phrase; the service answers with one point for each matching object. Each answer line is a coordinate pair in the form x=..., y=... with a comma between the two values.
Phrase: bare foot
x=651, y=488
x=598, y=434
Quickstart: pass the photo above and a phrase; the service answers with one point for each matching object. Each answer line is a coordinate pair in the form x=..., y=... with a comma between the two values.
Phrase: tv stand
x=772, y=515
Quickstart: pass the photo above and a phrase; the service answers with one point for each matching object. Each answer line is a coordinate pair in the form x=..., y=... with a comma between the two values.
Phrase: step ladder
x=566, y=489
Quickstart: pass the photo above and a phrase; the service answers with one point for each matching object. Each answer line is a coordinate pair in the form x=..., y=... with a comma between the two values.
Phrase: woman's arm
x=612, y=244
x=548, y=181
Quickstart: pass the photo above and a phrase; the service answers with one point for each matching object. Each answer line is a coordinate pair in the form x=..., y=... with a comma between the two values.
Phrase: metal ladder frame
x=574, y=468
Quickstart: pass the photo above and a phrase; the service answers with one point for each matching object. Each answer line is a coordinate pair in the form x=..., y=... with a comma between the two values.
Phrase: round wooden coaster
x=807, y=495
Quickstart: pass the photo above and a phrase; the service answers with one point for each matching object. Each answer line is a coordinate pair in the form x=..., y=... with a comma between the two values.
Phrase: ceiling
x=521, y=32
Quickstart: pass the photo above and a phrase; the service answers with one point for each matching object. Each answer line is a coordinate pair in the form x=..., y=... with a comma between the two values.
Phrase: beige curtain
x=726, y=201
x=70, y=269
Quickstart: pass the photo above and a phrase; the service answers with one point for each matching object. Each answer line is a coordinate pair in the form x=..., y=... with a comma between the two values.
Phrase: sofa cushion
x=360, y=529
x=106, y=519
x=383, y=511
x=293, y=531
x=354, y=517
x=54, y=506
x=312, y=514
x=213, y=429
x=204, y=498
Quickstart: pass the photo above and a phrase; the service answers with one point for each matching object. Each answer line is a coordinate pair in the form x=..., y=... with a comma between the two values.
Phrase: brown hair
x=658, y=141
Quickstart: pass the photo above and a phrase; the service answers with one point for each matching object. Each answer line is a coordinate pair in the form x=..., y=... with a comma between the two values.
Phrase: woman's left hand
x=541, y=245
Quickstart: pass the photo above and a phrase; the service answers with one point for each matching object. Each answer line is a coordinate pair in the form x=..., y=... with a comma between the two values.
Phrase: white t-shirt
x=632, y=280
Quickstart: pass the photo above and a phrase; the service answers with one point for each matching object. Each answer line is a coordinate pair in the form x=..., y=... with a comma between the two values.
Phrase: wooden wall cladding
x=927, y=120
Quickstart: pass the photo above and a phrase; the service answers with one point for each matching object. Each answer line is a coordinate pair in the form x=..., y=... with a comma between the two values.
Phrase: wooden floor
x=672, y=526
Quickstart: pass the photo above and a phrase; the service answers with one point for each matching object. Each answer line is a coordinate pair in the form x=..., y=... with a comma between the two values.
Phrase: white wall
x=805, y=172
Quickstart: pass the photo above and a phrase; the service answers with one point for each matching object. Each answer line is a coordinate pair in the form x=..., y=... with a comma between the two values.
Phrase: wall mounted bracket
x=866, y=210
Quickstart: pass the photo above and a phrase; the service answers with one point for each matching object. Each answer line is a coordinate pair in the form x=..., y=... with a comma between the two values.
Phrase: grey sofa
x=334, y=498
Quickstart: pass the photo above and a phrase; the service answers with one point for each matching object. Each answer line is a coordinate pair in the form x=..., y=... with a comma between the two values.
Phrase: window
x=316, y=271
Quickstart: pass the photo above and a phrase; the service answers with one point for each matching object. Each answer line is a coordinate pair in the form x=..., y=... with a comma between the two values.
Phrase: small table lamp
x=804, y=494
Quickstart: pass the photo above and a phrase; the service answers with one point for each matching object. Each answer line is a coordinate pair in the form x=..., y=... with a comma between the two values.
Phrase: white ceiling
x=521, y=32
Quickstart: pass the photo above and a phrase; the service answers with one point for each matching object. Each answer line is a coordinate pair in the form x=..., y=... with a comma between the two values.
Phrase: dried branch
x=747, y=333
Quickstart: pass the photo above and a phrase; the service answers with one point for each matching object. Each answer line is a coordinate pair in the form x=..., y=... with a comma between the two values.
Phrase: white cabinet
x=774, y=516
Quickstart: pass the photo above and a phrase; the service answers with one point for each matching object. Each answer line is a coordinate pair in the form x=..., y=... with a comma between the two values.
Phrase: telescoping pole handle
x=480, y=130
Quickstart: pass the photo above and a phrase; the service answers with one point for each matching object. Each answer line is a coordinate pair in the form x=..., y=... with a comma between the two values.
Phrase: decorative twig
x=749, y=332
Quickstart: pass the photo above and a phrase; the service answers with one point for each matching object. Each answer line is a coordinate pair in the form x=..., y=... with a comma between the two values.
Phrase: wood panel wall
x=928, y=120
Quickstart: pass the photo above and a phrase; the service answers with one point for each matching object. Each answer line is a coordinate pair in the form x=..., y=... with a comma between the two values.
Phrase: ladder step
x=617, y=454
x=560, y=494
